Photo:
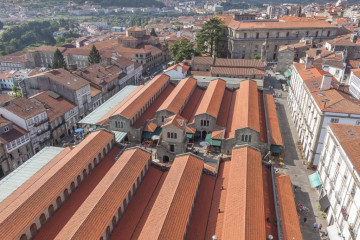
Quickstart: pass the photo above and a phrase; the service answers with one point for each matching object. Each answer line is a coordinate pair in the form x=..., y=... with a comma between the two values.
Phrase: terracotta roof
x=54, y=225
x=342, y=41
x=274, y=128
x=219, y=134
x=175, y=200
x=133, y=105
x=244, y=214
x=193, y=104
x=124, y=62
x=25, y=108
x=55, y=107
x=349, y=138
x=151, y=111
x=94, y=91
x=66, y=79
x=175, y=120
x=14, y=133
x=46, y=49
x=202, y=61
x=226, y=104
x=211, y=101
x=14, y=57
x=184, y=68
x=354, y=63
x=141, y=203
x=4, y=98
x=135, y=29
x=179, y=96
x=331, y=100
x=356, y=72
x=41, y=193
x=190, y=130
x=244, y=109
x=200, y=214
x=200, y=73
x=289, y=216
x=97, y=211
x=150, y=127
x=269, y=203
x=229, y=71
x=239, y=63
x=100, y=75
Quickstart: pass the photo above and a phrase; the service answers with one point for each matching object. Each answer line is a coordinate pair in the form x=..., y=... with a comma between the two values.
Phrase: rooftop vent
x=68, y=83
x=326, y=82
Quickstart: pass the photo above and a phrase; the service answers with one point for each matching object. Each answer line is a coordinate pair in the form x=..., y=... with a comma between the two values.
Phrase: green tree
x=181, y=49
x=94, y=56
x=153, y=33
x=210, y=35
x=257, y=56
x=1, y=25
x=59, y=61
x=298, y=11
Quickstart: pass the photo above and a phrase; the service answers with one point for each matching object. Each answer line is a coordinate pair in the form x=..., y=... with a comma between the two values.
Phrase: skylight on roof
x=320, y=94
x=353, y=134
x=325, y=100
x=349, y=131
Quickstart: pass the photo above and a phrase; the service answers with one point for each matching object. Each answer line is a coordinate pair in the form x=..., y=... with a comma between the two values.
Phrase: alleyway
x=298, y=172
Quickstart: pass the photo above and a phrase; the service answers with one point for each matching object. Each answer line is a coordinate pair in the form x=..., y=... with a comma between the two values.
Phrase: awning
x=189, y=135
x=148, y=135
x=119, y=136
x=324, y=203
x=212, y=142
x=288, y=82
x=333, y=233
x=275, y=148
x=287, y=73
x=314, y=180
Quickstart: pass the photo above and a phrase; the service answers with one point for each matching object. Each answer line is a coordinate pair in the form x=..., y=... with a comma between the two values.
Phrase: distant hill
x=302, y=2
x=125, y=3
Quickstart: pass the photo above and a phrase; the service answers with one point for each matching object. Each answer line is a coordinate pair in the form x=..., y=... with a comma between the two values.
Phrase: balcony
x=41, y=122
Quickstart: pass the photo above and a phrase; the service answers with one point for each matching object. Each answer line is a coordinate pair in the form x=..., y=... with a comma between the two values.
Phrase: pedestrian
x=320, y=226
x=304, y=208
x=295, y=187
x=305, y=219
x=315, y=226
x=300, y=207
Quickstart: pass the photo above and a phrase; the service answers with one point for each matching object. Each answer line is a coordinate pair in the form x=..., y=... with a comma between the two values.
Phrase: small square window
x=334, y=120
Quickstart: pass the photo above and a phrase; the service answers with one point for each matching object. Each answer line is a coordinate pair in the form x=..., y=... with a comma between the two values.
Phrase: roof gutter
x=277, y=208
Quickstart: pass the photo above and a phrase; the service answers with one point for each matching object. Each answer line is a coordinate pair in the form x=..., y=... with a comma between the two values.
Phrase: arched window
x=84, y=173
x=99, y=156
x=23, y=237
x=33, y=230
x=108, y=232
x=58, y=201
x=162, y=118
x=172, y=135
x=66, y=193
x=242, y=138
x=246, y=138
x=72, y=187
x=114, y=222
x=42, y=219
x=168, y=135
x=90, y=167
x=78, y=179
x=104, y=152
x=249, y=138
x=51, y=210
x=175, y=135
x=119, y=212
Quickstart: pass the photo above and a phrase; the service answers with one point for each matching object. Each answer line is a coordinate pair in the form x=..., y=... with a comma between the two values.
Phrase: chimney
x=326, y=82
x=353, y=38
x=318, y=52
x=309, y=62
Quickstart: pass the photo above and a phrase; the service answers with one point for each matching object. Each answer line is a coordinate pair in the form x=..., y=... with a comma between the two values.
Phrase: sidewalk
x=298, y=172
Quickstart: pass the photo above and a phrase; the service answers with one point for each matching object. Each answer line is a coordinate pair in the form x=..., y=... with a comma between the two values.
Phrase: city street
x=294, y=167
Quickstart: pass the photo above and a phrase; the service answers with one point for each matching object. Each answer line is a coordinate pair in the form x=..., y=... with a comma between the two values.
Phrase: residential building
x=316, y=98
x=246, y=39
x=15, y=61
x=178, y=71
x=72, y=87
x=63, y=114
x=15, y=146
x=355, y=83
x=285, y=59
x=338, y=171
x=30, y=115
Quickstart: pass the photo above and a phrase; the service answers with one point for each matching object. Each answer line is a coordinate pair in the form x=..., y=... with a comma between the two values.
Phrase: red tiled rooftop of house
x=269, y=205
x=39, y=196
x=273, y=122
x=150, y=127
x=140, y=202
x=175, y=200
x=179, y=96
x=97, y=211
x=133, y=105
x=67, y=210
x=239, y=63
x=244, y=214
x=175, y=120
x=289, y=217
x=193, y=104
x=151, y=111
x=226, y=105
x=211, y=101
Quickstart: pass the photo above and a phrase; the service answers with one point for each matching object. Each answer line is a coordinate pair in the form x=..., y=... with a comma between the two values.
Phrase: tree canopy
x=94, y=56
x=181, y=49
x=210, y=35
x=58, y=61
x=153, y=33
x=1, y=25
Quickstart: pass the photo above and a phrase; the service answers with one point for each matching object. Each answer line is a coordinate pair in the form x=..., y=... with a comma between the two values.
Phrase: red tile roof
x=150, y=127
x=65, y=78
x=179, y=96
x=25, y=108
x=72, y=204
x=40, y=195
x=175, y=200
x=200, y=214
x=97, y=211
x=244, y=215
x=239, y=63
x=244, y=109
x=289, y=217
x=349, y=138
x=14, y=133
x=184, y=68
x=135, y=210
x=175, y=120
x=229, y=71
x=133, y=105
x=202, y=60
x=211, y=101
x=273, y=122
x=151, y=111
x=193, y=104
x=269, y=205
x=218, y=134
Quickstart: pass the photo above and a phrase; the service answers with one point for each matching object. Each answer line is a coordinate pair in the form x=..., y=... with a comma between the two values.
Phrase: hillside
x=124, y=3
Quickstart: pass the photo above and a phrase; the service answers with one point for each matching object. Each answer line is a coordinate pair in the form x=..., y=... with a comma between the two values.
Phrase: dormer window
x=6, y=129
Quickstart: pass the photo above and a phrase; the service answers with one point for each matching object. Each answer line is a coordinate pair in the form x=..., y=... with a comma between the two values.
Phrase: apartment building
x=338, y=170
x=316, y=99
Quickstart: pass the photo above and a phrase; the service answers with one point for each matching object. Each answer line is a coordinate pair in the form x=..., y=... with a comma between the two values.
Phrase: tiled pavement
x=298, y=172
